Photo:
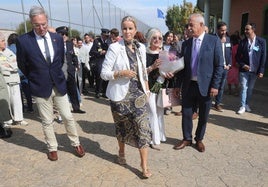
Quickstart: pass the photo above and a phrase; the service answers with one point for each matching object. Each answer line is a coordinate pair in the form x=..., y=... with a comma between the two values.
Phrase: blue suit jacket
x=41, y=75
x=258, y=57
x=210, y=65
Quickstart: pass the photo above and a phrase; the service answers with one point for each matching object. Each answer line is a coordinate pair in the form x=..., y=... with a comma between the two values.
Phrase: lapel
x=36, y=47
x=124, y=53
x=54, y=44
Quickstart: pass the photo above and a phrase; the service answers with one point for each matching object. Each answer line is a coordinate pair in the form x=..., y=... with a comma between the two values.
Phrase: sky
x=146, y=10
x=143, y=10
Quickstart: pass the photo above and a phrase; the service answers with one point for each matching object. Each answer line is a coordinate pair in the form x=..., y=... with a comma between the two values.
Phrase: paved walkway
x=236, y=151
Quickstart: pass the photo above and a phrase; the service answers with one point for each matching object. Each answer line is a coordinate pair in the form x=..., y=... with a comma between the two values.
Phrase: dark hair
x=114, y=31
x=253, y=26
x=220, y=24
x=12, y=38
x=234, y=39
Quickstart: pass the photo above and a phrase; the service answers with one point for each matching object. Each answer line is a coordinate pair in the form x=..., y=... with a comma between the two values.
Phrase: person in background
x=24, y=83
x=40, y=56
x=139, y=36
x=9, y=70
x=86, y=69
x=70, y=67
x=169, y=45
x=200, y=79
x=125, y=68
x=251, y=57
x=114, y=35
x=227, y=61
x=97, y=55
x=5, y=131
x=82, y=59
x=233, y=73
x=156, y=114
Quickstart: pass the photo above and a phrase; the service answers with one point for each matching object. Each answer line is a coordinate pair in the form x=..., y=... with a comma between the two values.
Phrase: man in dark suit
x=251, y=57
x=40, y=56
x=227, y=61
x=97, y=55
x=70, y=67
x=200, y=79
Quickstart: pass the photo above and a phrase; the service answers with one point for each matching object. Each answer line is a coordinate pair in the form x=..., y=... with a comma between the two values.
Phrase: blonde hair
x=129, y=18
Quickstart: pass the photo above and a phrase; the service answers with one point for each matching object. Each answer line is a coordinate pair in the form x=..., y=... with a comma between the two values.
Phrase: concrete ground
x=236, y=151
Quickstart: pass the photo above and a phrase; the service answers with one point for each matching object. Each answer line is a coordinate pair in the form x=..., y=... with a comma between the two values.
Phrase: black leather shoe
x=78, y=111
x=97, y=95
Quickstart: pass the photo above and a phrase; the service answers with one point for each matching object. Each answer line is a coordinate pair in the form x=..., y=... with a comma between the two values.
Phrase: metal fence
x=82, y=15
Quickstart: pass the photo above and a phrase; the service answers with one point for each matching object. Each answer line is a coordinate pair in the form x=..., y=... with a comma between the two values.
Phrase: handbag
x=167, y=98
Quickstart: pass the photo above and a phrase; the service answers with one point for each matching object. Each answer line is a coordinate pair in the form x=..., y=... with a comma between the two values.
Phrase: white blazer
x=116, y=59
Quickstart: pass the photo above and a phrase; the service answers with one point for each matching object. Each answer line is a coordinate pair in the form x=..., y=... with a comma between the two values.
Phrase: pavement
x=236, y=151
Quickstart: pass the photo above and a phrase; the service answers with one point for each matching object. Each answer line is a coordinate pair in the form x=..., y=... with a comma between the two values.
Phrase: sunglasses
x=157, y=37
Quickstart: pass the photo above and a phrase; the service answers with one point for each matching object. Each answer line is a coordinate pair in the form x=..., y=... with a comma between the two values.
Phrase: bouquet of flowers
x=170, y=63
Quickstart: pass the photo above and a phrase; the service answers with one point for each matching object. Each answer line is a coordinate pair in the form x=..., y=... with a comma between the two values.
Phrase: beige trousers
x=45, y=108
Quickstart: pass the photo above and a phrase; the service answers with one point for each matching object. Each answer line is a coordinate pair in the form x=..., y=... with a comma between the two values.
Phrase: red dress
x=233, y=73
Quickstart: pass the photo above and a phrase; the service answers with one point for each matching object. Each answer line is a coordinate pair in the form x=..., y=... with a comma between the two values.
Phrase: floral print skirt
x=131, y=119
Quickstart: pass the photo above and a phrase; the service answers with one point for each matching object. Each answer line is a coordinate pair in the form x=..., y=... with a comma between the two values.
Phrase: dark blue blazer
x=41, y=75
x=259, y=55
x=210, y=65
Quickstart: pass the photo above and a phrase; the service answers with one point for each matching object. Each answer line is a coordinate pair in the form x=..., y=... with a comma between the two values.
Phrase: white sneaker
x=248, y=109
x=241, y=110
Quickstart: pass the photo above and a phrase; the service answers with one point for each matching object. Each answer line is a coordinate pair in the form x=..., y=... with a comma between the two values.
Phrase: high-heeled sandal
x=121, y=159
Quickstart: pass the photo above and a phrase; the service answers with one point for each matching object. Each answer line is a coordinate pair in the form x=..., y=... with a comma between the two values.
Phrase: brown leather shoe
x=79, y=151
x=182, y=144
x=53, y=156
x=218, y=108
x=200, y=146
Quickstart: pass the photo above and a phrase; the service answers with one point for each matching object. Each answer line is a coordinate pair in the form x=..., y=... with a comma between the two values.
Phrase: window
x=244, y=22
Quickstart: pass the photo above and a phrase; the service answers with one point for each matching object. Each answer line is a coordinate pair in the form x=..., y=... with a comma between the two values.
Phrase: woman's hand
x=128, y=73
x=169, y=75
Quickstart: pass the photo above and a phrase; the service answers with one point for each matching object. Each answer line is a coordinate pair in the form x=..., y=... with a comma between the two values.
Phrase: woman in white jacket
x=125, y=68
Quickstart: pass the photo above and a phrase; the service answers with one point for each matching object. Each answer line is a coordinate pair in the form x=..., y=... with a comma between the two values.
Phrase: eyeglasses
x=36, y=25
x=157, y=37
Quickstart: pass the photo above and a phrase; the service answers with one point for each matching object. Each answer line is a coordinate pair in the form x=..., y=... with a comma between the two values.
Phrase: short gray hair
x=198, y=17
x=36, y=10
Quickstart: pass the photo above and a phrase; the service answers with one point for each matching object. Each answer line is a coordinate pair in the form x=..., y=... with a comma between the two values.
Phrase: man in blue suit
x=40, y=56
x=251, y=57
x=227, y=61
x=200, y=79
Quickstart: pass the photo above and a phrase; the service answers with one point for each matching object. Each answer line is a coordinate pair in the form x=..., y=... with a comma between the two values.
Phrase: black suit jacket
x=210, y=65
x=71, y=59
x=95, y=56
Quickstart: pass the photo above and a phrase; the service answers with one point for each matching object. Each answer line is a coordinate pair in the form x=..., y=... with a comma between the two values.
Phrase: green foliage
x=21, y=28
x=177, y=16
x=74, y=33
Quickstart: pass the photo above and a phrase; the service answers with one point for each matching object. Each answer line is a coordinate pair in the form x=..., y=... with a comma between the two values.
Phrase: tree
x=21, y=28
x=177, y=16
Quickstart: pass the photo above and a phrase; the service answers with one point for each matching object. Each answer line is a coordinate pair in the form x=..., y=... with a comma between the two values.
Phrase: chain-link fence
x=82, y=15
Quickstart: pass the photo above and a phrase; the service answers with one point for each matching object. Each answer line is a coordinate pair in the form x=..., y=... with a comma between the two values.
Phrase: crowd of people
x=47, y=66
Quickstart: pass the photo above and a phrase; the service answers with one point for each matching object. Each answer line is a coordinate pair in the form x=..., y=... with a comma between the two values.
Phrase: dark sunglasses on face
x=155, y=37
